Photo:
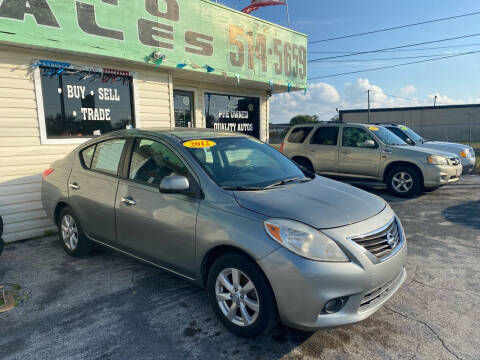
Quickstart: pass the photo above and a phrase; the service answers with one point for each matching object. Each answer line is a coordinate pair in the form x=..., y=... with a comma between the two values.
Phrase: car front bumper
x=438, y=175
x=468, y=165
x=303, y=287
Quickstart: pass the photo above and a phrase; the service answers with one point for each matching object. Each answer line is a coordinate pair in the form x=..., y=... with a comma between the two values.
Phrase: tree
x=304, y=119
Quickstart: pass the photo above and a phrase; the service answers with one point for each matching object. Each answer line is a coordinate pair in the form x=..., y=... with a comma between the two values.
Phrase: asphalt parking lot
x=106, y=306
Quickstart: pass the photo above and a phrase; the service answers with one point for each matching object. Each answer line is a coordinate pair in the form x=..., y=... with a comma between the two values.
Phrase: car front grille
x=382, y=242
x=454, y=161
x=376, y=296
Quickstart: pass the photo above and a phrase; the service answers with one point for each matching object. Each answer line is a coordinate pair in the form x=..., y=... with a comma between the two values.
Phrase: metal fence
x=461, y=133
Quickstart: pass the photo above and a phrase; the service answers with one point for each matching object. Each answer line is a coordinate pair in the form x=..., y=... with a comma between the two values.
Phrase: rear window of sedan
x=299, y=134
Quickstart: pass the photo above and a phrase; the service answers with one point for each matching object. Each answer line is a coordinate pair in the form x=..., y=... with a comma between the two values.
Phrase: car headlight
x=466, y=153
x=437, y=160
x=304, y=240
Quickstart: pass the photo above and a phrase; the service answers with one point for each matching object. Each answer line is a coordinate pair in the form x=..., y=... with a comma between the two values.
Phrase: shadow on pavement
x=466, y=214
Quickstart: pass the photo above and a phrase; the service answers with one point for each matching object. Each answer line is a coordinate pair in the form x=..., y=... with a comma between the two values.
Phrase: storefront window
x=233, y=113
x=183, y=107
x=84, y=104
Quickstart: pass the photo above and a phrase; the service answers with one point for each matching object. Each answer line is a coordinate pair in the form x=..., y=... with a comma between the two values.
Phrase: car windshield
x=411, y=134
x=388, y=137
x=241, y=163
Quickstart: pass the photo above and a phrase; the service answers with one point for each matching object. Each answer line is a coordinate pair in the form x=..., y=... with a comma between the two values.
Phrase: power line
x=394, y=28
x=393, y=66
x=382, y=59
x=401, y=97
x=392, y=48
x=418, y=49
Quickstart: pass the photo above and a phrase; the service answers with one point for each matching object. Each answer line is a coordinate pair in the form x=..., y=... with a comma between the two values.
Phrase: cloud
x=408, y=90
x=322, y=99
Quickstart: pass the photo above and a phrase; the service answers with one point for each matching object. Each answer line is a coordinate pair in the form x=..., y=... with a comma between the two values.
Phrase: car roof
x=181, y=134
x=329, y=123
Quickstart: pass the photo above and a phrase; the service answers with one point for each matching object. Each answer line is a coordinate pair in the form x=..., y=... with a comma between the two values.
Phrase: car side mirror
x=369, y=144
x=409, y=141
x=174, y=184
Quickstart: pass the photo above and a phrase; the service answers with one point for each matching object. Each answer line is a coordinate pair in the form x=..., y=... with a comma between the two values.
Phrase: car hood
x=445, y=146
x=321, y=203
x=424, y=149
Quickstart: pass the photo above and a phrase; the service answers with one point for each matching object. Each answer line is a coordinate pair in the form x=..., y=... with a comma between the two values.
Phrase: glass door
x=183, y=108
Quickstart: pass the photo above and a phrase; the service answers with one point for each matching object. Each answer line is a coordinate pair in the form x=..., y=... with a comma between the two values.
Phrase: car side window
x=87, y=156
x=325, y=135
x=356, y=137
x=152, y=161
x=107, y=156
x=299, y=134
x=399, y=133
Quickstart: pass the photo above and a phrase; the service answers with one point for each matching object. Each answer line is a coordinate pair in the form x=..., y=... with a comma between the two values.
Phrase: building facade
x=73, y=70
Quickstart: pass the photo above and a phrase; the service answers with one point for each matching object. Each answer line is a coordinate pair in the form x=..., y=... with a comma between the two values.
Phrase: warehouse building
x=456, y=123
x=73, y=70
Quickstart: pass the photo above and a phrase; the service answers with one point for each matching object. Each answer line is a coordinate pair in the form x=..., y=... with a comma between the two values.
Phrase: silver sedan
x=267, y=239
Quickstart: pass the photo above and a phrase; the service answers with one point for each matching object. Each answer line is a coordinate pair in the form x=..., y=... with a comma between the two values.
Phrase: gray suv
x=371, y=152
x=228, y=212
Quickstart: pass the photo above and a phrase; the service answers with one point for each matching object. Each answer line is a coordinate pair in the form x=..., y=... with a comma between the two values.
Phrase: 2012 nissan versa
x=269, y=240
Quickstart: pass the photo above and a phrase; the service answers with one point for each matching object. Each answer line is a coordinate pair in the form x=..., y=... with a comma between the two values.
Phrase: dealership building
x=73, y=70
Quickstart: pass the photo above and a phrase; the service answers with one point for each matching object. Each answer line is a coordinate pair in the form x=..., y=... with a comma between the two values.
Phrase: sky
x=453, y=81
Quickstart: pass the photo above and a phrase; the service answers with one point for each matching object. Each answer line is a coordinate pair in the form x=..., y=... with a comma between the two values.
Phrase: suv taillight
x=47, y=172
x=281, y=147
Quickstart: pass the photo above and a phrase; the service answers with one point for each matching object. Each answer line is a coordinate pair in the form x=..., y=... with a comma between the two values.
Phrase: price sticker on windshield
x=199, y=144
x=373, y=128
x=404, y=128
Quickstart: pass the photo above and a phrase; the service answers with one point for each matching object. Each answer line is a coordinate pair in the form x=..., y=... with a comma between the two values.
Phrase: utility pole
x=368, y=92
x=288, y=14
x=435, y=101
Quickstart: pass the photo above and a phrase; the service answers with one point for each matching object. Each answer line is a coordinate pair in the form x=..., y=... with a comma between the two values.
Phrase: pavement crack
x=444, y=288
x=429, y=327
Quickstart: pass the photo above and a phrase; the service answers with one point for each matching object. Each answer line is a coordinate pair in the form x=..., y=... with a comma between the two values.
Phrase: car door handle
x=128, y=201
x=74, y=186
x=346, y=151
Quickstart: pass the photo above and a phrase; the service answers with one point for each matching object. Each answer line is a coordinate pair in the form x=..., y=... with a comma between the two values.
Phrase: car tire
x=72, y=237
x=404, y=181
x=302, y=162
x=251, y=290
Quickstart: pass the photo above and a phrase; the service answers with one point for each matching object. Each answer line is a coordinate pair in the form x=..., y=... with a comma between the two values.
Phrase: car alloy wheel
x=69, y=232
x=237, y=297
x=402, y=182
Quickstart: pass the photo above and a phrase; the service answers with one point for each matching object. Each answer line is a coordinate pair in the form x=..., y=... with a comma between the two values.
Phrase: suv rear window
x=325, y=135
x=299, y=134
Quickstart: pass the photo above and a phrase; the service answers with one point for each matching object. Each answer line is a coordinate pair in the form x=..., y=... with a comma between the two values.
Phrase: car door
x=93, y=186
x=155, y=226
x=359, y=153
x=322, y=149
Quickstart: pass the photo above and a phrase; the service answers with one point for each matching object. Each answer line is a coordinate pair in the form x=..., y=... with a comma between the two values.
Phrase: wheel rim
x=69, y=232
x=237, y=297
x=402, y=182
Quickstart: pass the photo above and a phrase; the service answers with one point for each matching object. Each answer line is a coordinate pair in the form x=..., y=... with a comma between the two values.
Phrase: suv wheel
x=72, y=237
x=404, y=181
x=241, y=296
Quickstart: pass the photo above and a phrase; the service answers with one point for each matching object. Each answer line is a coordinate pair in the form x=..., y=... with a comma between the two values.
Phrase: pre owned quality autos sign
x=192, y=34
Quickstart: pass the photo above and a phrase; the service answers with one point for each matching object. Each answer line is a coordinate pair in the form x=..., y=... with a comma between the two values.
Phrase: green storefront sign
x=194, y=35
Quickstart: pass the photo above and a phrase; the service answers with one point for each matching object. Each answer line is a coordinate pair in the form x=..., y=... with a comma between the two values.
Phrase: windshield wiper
x=242, y=188
x=286, y=181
